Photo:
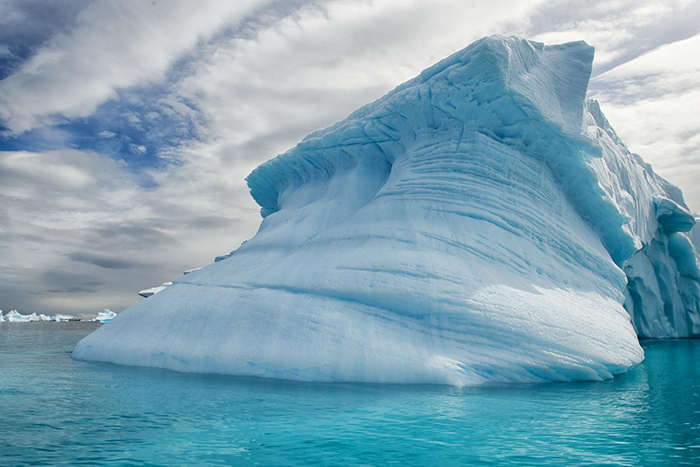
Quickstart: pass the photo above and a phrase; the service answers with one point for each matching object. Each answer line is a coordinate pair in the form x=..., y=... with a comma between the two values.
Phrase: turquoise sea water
x=54, y=410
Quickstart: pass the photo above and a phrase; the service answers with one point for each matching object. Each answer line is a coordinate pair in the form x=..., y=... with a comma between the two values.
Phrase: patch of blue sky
x=143, y=127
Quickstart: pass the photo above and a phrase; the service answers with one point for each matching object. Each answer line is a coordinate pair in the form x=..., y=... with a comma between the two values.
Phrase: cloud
x=106, y=134
x=620, y=30
x=106, y=262
x=5, y=52
x=73, y=222
x=137, y=148
x=25, y=25
x=45, y=169
x=113, y=45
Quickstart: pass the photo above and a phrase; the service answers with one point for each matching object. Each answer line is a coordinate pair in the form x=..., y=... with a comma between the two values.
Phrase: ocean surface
x=54, y=410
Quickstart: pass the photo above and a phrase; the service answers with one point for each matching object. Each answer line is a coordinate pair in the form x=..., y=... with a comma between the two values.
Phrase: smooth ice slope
x=479, y=223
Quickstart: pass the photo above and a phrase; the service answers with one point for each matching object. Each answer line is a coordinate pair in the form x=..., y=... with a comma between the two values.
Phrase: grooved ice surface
x=480, y=223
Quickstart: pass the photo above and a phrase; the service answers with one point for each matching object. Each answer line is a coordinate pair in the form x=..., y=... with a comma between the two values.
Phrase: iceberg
x=15, y=316
x=105, y=316
x=480, y=223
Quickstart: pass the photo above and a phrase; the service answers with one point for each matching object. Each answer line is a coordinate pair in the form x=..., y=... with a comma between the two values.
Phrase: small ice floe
x=105, y=316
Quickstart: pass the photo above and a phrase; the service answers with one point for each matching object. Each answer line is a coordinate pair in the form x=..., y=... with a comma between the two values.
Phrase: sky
x=127, y=127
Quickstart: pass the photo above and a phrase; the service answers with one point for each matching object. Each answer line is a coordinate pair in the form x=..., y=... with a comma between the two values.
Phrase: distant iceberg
x=16, y=317
x=480, y=223
x=105, y=316
x=13, y=316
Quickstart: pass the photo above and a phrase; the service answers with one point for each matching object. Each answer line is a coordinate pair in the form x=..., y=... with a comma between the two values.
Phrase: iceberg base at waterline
x=480, y=223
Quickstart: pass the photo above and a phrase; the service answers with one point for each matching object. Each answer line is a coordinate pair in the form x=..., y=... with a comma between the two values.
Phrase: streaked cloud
x=112, y=45
x=621, y=30
x=106, y=261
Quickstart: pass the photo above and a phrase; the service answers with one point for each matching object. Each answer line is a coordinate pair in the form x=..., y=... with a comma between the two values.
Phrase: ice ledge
x=671, y=216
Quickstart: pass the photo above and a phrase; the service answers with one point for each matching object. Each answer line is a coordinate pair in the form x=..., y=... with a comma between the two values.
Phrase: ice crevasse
x=480, y=223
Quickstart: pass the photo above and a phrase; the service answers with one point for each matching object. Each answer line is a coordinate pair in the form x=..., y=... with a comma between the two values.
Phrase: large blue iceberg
x=480, y=223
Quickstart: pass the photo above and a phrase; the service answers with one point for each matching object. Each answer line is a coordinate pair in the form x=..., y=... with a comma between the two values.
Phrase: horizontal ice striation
x=480, y=223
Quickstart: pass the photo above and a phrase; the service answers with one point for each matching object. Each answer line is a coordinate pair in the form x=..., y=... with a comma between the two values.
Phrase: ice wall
x=663, y=289
x=480, y=223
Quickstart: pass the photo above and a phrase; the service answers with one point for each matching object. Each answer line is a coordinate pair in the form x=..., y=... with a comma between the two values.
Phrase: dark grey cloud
x=23, y=287
x=66, y=282
x=143, y=234
x=212, y=223
x=107, y=262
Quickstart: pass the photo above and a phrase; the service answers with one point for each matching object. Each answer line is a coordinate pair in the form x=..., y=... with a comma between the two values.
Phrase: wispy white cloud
x=114, y=44
x=621, y=30
x=27, y=24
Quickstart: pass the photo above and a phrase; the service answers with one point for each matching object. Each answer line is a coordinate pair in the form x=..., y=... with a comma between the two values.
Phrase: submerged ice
x=480, y=223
